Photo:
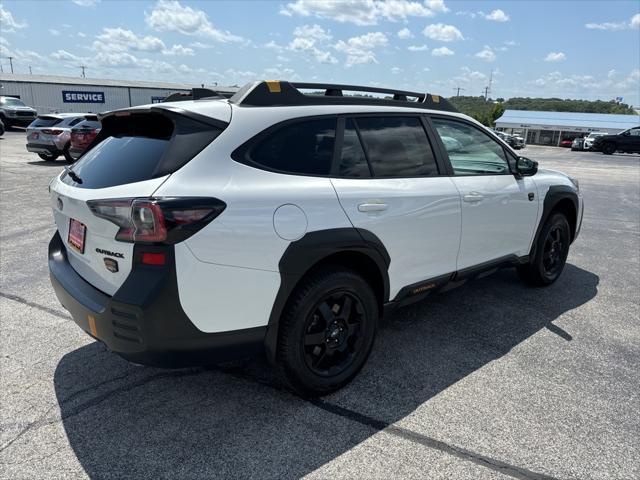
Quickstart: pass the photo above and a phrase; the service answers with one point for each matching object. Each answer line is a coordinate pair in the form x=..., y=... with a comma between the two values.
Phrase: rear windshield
x=45, y=122
x=139, y=147
x=87, y=124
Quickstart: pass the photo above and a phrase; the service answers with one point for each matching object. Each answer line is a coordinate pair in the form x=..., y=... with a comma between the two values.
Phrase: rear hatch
x=42, y=131
x=134, y=153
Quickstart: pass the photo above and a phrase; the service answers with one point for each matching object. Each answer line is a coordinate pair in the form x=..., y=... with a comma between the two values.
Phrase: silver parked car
x=49, y=135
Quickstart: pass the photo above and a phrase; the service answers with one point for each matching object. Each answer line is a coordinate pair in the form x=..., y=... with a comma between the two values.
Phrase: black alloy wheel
x=549, y=254
x=326, y=331
x=333, y=335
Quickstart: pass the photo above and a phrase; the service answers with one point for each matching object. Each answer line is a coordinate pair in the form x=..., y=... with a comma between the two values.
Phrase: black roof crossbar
x=280, y=93
x=197, y=94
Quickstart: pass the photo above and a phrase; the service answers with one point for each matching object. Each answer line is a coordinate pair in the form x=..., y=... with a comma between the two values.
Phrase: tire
x=67, y=155
x=326, y=332
x=47, y=158
x=609, y=148
x=551, y=251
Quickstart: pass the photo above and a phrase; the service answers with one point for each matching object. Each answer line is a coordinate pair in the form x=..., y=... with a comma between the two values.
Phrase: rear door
x=135, y=154
x=499, y=211
x=388, y=182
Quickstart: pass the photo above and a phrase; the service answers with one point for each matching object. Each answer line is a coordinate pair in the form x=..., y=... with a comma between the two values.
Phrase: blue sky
x=572, y=49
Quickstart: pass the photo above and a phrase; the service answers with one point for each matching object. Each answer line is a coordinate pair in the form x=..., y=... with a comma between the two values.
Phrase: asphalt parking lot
x=490, y=380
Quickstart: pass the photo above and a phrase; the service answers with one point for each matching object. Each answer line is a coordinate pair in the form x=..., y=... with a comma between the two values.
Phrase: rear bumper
x=43, y=148
x=143, y=322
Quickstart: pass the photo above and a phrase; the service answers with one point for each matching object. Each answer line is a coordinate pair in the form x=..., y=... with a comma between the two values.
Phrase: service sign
x=70, y=96
x=157, y=99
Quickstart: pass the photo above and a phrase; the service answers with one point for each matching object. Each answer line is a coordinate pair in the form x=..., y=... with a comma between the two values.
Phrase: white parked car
x=286, y=223
x=589, y=139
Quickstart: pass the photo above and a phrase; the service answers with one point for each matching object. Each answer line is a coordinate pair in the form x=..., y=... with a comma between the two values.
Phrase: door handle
x=372, y=207
x=473, y=197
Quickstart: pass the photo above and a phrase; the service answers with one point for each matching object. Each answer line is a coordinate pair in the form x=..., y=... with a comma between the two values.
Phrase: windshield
x=13, y=102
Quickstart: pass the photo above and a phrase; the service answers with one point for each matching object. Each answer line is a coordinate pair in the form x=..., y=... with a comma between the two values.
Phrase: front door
x=499, y=211
x=390, y=185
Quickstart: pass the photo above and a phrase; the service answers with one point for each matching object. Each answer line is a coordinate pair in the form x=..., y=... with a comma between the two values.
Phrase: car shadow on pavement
x=56, y=163
x=236, y=422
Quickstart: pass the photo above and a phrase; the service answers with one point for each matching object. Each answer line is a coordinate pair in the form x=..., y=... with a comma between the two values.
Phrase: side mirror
x=526, y=167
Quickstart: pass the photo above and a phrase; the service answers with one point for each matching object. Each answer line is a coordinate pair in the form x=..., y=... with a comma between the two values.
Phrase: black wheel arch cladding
x=315, y=248
x=557, y=199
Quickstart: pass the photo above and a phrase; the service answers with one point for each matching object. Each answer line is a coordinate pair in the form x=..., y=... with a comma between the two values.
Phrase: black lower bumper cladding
x=143, y=321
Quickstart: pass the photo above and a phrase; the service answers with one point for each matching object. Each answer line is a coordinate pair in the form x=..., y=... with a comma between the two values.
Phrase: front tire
x=47, y=158
x=609, y=148
x=327, y=331
x=551, y=251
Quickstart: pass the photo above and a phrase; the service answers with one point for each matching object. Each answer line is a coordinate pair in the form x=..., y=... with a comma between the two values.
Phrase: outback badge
x=111, y=264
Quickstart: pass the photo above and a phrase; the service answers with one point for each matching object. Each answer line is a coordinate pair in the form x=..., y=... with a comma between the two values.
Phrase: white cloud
x=634, y=22
x=7, y=23
x=396, y=70
x=64, y=56
x=86, y=3
x=54, y=32
x=442, y=52
x=81, y=34
x=119, y=39
x=200, y=45
x=496, y=16
x=171, y=16
x=468, y=76
x=178, y=50
x=363, y=12
x=310, y=39
x=417, y=48
x=555, y=57
x=359, y=50
x=404, y=34
x=442, y=32
x=316, y=32
x=486, y=54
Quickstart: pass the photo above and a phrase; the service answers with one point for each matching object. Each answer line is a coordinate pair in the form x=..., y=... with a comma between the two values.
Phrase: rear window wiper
x=74, y=176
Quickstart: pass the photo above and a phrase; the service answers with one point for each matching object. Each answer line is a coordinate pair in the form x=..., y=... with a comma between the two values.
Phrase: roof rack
x=197, y=94
x=281, y=93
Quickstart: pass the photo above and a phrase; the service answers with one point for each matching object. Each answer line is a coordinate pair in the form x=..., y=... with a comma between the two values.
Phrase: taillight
x=51, y=131
x=157, y=220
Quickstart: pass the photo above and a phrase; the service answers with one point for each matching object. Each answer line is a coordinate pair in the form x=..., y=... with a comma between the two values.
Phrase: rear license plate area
x=77, y=232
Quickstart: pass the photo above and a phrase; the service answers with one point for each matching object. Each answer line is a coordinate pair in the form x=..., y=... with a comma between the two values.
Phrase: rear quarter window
x=303, y=147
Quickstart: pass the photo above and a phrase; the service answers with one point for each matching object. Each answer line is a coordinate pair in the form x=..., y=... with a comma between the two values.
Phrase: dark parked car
x=1, y=128
x=83, y=134
x=627, y=142
x=14, y=112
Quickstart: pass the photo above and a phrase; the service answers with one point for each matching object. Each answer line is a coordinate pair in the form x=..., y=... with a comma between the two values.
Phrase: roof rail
x=281, y=93
x=197, y=94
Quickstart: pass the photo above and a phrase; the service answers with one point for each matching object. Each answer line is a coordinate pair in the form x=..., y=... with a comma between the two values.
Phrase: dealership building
x=549, y=128
x=48, y=93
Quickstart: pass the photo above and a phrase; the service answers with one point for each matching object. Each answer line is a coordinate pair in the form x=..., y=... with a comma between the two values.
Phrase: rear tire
x=609, y=148
x=47, y=158
x=67, y=155
x=551, y=251
x=326, y=332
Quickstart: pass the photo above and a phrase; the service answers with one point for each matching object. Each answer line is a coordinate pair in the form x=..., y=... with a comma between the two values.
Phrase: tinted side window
x=353, y=163
x=302, y=147
x=471, y=151
x=397, y=146
x=75, y=121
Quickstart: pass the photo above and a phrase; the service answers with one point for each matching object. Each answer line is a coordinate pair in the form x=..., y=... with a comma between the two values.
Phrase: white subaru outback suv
x=286, y=222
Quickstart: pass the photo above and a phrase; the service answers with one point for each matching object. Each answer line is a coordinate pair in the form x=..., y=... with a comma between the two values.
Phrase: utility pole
x=30, y=72
x=487, y=89
x=11, y=63
x=457, y=89
x=83, y=67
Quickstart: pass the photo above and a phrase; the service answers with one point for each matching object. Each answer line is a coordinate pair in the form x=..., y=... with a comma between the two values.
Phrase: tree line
x=488, y=111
